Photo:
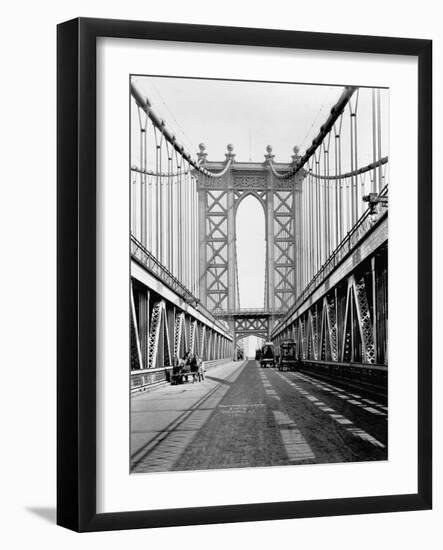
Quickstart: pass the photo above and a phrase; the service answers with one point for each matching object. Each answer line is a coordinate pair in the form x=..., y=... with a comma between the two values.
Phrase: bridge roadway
x=242, y=415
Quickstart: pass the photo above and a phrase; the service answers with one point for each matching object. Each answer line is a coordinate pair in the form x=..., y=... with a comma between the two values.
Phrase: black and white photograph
x=258, y=273
x=221, y=318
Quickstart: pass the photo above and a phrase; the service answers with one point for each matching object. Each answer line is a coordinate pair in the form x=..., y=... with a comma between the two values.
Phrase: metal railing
x=248, y=311
x=142, y=255
x=148, y=260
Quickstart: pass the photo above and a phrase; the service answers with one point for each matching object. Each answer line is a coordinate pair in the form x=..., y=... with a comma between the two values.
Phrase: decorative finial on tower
x=230, y=154
x=201, y=155
x=296, y=157
x=269, y=156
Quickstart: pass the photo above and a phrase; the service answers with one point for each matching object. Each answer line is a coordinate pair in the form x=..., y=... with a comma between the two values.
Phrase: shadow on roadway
x=219, y=380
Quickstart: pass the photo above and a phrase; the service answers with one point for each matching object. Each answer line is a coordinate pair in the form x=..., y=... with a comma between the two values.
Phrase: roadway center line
x=296, y=447
x=269, y=390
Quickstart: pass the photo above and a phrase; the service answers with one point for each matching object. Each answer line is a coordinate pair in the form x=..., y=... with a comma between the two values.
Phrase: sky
x=251, y=116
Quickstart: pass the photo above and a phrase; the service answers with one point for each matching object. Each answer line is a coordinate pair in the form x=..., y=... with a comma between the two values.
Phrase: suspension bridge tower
x=220, y=194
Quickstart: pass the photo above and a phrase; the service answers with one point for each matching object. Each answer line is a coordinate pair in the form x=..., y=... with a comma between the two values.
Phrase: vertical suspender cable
x=170, y=213
x=191, y=225
x=188, y=219
x=138, y=232
x=352, y=165
x=340, y=190
x=311, y=224
x=380, y=173
x=327, y=198
x=317, y=216
x=151, y=201
x=157, y=198
x=133, y=202
x=143, y=198
x=166, y=233
x=183, y=220
x=190, y=248
x=354, y=157
x=193, y=248
x=358, y=202
x=337, y=187
x=374, y=143
x=196, y=243
x=180, y=220
x=307, y=220
x=161, y=205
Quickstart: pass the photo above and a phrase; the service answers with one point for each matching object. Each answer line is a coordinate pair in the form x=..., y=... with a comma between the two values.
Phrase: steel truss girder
x=170, y=332
x=136, y=354
x=254, y=325
x=364, y=319
x=251, y=323
x=316, y=330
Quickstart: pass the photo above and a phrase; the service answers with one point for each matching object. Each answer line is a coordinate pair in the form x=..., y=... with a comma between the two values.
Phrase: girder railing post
x=143, y=309
x=374, y=306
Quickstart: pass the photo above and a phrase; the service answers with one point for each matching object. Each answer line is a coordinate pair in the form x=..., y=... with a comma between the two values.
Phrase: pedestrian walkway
x=166, y=419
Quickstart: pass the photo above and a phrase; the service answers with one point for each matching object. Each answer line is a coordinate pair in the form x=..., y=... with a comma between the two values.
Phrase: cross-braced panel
x=251, y=324
x=302, y=338
x=193, y=336
x=203, y=341
x=216, y=249
x=178, y=333
x=365, y=321
x=324, y=343
x=159, y=332
x=255, y=325
x=284, y=248
x=314, y=330
x=330, y=311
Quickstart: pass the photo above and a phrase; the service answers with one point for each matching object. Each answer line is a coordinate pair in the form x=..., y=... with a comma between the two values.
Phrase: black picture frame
x=76, y=279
